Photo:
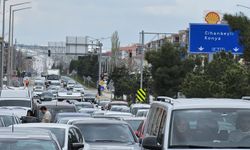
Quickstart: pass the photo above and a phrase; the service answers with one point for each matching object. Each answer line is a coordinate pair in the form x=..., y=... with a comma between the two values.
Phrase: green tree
x=241, y=23
x=115, y=42
x=168, y=69
x=222, y=78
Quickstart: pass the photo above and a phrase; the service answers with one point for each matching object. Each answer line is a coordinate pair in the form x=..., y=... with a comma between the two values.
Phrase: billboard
x=211, y=38
x=76, y=45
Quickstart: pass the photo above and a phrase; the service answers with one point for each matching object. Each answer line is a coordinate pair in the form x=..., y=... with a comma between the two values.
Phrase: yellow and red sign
x=212, y=18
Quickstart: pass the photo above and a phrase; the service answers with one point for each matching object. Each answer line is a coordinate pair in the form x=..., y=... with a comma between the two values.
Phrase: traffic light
x=49, y=53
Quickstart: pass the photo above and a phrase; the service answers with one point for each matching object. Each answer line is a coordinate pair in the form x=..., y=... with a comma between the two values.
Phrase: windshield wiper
x=191, y=146
x=116, y=141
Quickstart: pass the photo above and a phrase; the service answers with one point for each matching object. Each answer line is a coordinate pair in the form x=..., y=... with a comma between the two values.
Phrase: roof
x=99, y=121
x=44, y=125
x=24, y=133
x=56, y=103
x=206, y=103
x=133, y=118
x=140, y=106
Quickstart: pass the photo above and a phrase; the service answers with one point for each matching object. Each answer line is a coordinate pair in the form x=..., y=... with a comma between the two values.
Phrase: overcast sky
x=53, y=20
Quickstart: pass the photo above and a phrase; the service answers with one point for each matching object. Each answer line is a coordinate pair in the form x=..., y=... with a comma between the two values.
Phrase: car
x=54, y=108
x=88, y=110
x=67, y=120
x=120, y=108
x=78, y=88
x=69, y=95
x=53, y=89
x=133, y=122
x=55, y=83
x=82, y=105
x=68, y=136
x=38, y=85
x=46, y=96
x=142, y=113
x=102, y=103
x=16, y=93
x=135, y=107
x=163, y=98
x=19, y=106
x=90, y=97
x=198, y=123
x=116, y=103
x=71, y=84
x=70, y=114
x=24, y=139
x=108, y=134
x=118, y=114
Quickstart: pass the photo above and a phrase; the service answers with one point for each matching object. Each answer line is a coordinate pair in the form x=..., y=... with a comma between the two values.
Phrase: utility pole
x=2, y=46
x=142, y=35
x=100, y=61
x=142, y=58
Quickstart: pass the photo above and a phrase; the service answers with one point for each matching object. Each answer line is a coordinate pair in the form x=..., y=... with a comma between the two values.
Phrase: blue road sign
x=209, y=38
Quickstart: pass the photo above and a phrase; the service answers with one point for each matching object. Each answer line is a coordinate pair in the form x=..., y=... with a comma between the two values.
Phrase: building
x=180, y=38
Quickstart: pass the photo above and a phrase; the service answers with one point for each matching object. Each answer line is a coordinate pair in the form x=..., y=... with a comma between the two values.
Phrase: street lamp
x=2, y=46
x=12, y=28
x=239, y=5
x=10, y=47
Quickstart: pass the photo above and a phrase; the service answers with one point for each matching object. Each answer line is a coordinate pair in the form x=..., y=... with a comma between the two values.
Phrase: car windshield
x=21, y=103
x=53, y=77
x=106, y=133
x=47, y=94
x=80, y=106
x=59, y=133
x=134, y=124
x=19, y=144
x=39, y=84
x=55, y=110
x=210, y=128
x=7, y=120
x=14, y=94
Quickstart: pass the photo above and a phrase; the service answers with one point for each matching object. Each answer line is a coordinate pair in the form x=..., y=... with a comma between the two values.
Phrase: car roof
x=79, y=103
x=25, y=133
x=56, y=103
x=73, y=113
x=99, y=121
x=205, y=103
x=44, y=125
x=140, y=106
x=134, y=118
x=118, y=102
x=15, y=98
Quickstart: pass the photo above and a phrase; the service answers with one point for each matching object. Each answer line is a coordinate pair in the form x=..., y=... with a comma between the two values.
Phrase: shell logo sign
x=212, y=18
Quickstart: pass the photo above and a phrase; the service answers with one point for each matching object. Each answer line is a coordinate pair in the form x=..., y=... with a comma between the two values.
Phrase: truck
x=53, y=77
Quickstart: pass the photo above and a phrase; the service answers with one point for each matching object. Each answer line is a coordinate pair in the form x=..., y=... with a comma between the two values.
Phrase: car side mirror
x=77, y=146
x=151, y=143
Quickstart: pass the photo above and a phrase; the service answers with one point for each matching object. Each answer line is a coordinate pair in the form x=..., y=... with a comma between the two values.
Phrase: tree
x=115, y=48
x=224, y=77
x=168, y=69
x=241, y=23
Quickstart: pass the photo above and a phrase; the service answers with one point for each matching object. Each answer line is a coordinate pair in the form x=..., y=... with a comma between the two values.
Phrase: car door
x=74, y=137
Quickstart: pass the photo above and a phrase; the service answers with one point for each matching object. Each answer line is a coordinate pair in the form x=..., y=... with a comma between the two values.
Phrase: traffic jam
x=57, y=113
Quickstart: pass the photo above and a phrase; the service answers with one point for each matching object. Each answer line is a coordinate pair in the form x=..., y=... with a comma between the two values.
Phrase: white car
x=203, y=124
x=78, y=88
x=67, y=135
x=18, y=105
x=71, y=84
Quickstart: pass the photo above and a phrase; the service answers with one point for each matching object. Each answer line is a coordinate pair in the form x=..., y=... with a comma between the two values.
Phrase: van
x=198, y=124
